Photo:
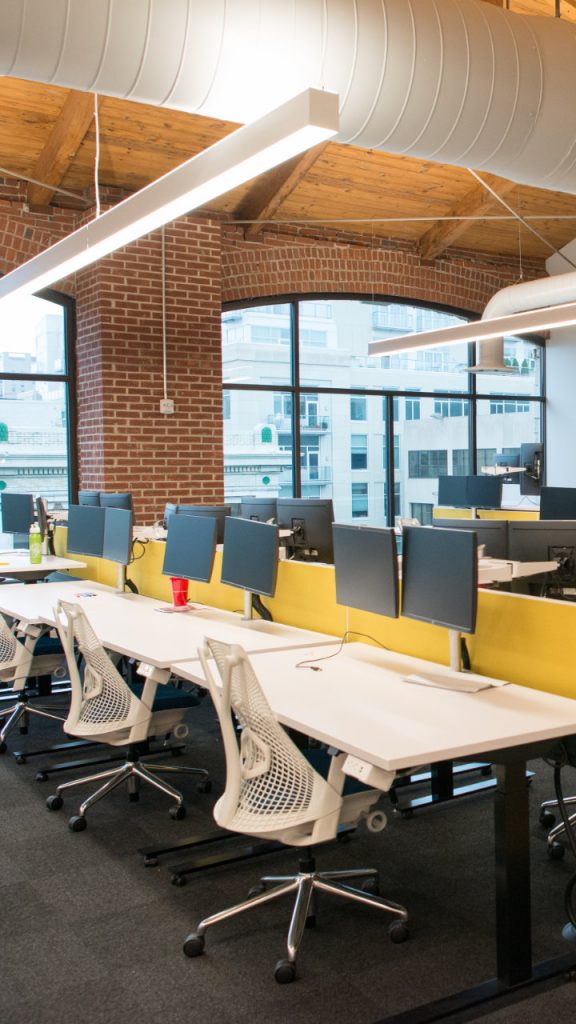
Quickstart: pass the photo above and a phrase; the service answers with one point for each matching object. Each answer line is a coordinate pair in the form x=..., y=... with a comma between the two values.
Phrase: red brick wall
x=292, y=263
x=124, y=443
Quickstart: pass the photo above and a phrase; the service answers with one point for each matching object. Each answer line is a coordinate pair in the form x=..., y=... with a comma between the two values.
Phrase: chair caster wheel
x=371, y=886
x=256, y=890
x=150, y=862
x=194, y=945
x=54, y=802
x=398, y=931
x=285, y=972
x=547, y=818
x=556, y=851
x=41, y=776
x=178, y=812
x=205, y=786
x=178, y=880
x=77, y=823
x=3, y=747
x=20, y=759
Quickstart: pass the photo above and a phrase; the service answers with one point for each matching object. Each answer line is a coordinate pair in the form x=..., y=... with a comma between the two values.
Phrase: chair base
x=132, y=772
x=547, y=818
x=17, y=714
x=305, y=885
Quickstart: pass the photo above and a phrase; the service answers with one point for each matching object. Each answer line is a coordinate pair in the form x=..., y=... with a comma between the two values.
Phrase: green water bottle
x=35, y=542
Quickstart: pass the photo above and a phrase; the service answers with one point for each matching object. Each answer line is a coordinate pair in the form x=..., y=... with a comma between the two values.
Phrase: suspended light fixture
x=526, y=322
x=302, y=122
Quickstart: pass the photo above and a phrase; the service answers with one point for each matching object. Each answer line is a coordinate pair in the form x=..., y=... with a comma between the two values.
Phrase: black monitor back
x=532, y=459
x=88, y=497
x=118, y=526
x=217, y=512
x=366, y=568
x=492, y=533
x=190, y=547
x=261, y=509
x=311, y=520
x=440, y=577
x=484, y=491
x=452, y=491
x=250, y=558
x=558, y=503
x=17, y=512
x=86, y=530
x=116, y=500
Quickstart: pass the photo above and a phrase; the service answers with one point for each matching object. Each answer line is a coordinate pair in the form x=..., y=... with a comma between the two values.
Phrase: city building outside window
x=36, y=400
x=351, y=404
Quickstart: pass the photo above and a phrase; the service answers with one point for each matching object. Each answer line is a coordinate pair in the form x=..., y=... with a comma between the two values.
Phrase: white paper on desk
x=461, y=682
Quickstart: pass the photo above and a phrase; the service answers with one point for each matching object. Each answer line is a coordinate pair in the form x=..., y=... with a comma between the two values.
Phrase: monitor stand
x=124, y=583
x=455, y=650
x=253, y=602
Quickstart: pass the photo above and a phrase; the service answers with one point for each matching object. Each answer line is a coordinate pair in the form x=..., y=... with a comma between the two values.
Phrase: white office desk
x=360, y=704
x=132, y=625
x=16, y=564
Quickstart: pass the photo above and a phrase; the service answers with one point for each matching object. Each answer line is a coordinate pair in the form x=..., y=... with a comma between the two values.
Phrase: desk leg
x=513, y=916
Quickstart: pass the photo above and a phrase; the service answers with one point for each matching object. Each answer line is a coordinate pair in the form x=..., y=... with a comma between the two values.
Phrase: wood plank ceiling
x=48, y=138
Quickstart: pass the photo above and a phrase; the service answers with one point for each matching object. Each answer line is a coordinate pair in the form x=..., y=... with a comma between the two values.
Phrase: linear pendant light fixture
x=302, y=122
x=543, y=319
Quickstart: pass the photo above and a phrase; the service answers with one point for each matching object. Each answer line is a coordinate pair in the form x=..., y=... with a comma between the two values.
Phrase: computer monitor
x=86, y=530
x=117, y=544
x=88, y=497
x=492, y=533
x=42, y=516
x=452, y=491
x=250, y=558
x=558, y=503
x=310, y=520
x=543, y=540
x=190, y=547
x=366, y=568
x=116, y=500
x=261, y=509
x=484, y=491
x=440, y=577
x=217, y=512
x=17, y=512
x=532, y=459
x=170, y=509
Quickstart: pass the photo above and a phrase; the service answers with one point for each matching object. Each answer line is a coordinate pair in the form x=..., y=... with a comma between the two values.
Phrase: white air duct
x=457, y=81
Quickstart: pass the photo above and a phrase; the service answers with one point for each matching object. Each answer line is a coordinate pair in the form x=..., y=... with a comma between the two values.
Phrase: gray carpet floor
x=89, y=933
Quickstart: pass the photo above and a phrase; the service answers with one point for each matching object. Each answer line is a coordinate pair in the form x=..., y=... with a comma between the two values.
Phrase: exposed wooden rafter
x=60, y=150
x=475, y=203
x=268, y=193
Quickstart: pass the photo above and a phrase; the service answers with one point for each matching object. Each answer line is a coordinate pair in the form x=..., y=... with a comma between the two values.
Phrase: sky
x=17, y=325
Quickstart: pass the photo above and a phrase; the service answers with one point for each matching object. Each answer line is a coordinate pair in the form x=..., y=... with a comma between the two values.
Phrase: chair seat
x=167, y=697
x=48, y=645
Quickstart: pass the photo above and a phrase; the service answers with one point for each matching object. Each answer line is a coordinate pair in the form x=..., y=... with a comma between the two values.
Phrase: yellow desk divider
x=526, y=640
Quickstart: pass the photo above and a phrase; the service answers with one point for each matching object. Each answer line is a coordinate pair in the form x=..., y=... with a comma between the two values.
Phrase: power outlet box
x=167, y=406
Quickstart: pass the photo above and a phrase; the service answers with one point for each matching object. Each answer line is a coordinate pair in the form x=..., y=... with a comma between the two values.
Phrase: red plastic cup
x=179, y=592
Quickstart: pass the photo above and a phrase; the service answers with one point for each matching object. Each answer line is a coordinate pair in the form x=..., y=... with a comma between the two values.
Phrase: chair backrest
x=270, y=786
x=15, y=658
x=102, y=702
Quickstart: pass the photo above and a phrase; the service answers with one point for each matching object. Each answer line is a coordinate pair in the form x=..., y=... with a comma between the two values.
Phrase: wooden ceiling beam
x=476, y=202
x=60, y=150
x=269, y=192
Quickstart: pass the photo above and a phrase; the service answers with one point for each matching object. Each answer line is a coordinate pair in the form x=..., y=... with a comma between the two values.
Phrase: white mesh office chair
x=272, y=791
x=25, y=653
x=104, y=708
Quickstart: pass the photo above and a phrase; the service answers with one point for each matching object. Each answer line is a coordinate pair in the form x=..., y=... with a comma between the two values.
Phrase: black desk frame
x=515, y=972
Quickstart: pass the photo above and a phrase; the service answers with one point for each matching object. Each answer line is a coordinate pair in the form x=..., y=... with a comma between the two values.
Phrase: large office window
x=35, y=399
x=310, y=412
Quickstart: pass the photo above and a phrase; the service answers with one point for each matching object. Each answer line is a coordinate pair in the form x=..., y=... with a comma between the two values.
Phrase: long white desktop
x=360, y=702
